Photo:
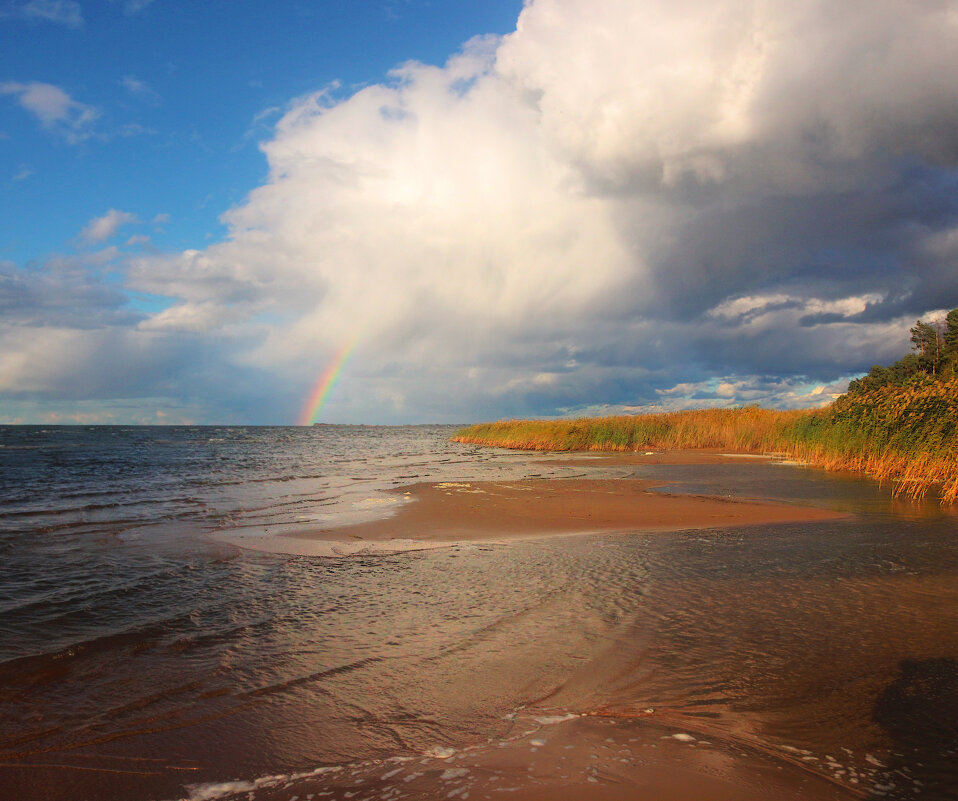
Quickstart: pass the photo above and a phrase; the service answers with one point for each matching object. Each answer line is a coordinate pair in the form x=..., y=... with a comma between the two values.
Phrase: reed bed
x=903, y=436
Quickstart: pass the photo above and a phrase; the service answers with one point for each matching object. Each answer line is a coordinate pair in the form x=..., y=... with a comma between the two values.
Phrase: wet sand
x=445, y=513
x=562, y=757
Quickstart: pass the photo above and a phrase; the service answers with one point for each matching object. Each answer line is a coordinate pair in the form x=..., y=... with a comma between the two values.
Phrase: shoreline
x=887, y=437
x=449, y=513
x=814, y=655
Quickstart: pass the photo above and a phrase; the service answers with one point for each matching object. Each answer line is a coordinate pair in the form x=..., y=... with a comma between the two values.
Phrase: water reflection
x=172, y=660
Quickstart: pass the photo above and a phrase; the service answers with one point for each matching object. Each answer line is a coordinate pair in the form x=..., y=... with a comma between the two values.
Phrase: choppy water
x=140, y=658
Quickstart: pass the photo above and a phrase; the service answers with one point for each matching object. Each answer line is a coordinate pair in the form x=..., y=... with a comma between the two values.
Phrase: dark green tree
x=926, y=338
x=951, y=332
x=936, y=356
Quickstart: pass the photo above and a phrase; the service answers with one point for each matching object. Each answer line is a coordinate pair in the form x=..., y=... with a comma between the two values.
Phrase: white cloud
x=133, y=85
x=99, y=229
x=122, y=411
x=474, y=224
x=741, y=198
x=664, y=93
x=192, y=318
x=131, y=7
x=734, y=391
x=54, y=109
x=140, y=89
x=61, y=12
x=525, y=207
x=22, y=173
x=756, y=309
x=265, y=114
x=134, y=129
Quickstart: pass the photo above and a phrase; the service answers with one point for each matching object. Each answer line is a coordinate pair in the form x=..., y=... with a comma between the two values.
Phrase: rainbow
x=320, y=394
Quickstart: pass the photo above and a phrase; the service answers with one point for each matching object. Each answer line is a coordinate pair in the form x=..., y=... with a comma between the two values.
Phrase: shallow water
x=143, y=659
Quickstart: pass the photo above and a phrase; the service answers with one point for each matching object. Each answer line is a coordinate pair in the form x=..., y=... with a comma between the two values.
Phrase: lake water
x=143, y=658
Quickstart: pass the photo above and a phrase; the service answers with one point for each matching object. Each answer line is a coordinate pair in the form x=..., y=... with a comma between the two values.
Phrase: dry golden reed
x=904, y=436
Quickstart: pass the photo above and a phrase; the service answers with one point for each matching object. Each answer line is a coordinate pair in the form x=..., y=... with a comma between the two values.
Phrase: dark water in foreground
x=140, y=658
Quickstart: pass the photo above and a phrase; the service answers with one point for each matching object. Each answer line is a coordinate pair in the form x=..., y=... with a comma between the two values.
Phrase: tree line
x=934, y=357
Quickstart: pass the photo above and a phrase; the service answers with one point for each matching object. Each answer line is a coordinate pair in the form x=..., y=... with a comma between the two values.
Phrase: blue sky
x=182, y=93
x=554, y=208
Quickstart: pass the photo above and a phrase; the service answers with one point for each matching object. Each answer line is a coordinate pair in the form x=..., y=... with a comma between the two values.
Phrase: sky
x=465, y=211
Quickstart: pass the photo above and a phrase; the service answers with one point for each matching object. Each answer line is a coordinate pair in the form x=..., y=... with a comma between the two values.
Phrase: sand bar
x=446, y=513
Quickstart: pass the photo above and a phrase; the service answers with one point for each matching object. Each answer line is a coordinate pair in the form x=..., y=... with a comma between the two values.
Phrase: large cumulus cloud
x=620, y=203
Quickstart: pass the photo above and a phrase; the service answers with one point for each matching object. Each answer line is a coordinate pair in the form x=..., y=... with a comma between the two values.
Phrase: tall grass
x=906, y=436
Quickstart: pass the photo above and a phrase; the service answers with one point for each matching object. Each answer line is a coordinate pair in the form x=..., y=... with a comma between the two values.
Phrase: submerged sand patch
x=441, y=514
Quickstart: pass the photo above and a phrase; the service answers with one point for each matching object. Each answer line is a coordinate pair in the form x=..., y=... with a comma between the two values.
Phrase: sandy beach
x=441, y=514
x=483, y=510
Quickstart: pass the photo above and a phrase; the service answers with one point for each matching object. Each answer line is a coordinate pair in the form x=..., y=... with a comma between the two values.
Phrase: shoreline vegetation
x=897, y=425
